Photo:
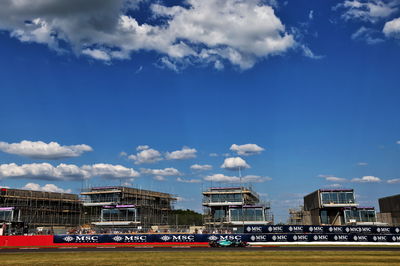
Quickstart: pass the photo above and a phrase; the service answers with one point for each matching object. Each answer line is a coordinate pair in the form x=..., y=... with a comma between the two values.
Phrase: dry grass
x=205, y=258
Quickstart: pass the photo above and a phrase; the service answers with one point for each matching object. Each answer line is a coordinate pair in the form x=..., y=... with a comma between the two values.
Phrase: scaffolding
x=39, y=208
x=296, y=216
x=148, y=208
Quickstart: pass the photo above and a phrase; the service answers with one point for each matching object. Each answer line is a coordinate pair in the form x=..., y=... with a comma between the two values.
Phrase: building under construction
x=124, y=206
x=39, y=208
x=234, y=207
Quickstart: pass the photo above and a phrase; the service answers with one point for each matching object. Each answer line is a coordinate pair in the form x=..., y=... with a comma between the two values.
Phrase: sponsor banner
x=319, y=229
x=204, y=238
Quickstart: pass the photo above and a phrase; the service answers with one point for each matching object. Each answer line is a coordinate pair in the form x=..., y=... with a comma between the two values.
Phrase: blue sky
x=313, y=86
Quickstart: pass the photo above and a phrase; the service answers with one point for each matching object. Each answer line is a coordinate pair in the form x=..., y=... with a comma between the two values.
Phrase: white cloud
x=392, y=29
x=367, y=179
x=161, y=172
x=159, y=178
x=246, y=149
x=42, y=150
x=142, y=147
x=241, y=32
x=97, y=54
x=394, y=181
x=234, y=179
x=331, y=178
x=213, y=154
x=368, y=35
x=47, y=171
x=185, y=153
x=398, y=142
x=145, y=155
x=110, y=171
x=335, y=185
x=47, y=188
x=44, y=171
x=234, y=163
x=369, y=10
x=198, y=167
x=188, y=180
x=311, y=15
x=362, y=164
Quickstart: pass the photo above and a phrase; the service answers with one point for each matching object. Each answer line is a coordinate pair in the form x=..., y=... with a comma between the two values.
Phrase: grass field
x=205, y=258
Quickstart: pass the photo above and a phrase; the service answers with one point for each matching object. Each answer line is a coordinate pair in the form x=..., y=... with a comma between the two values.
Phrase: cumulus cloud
x=188, y=180
x=159, y=178
x=161, y=172
x=366, y=10
x=394, y=181
x=42, y=150
x=110, y=171
x=199, y=167
x=362, y=164
x=234, y=163
x=392, y=29
x=246, y=149
x=367, y=179
x=145, y=155
x=46, y=171
x=234, y=179
x=239, y=32
x=46, y=188
x=184, y=153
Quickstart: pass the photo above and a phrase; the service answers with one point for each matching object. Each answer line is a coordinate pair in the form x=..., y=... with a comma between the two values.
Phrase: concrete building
x=336, y=207
x=228, y=207
x=124, y=206
x=390, y=210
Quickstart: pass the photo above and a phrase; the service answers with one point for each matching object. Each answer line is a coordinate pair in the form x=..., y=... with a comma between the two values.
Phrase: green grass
x=205, y=258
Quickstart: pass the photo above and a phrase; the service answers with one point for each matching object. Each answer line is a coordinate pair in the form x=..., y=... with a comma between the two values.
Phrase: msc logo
x=213, y=238
x=68, y=238
x=254, y=229
x=379, y=238
x=396, y=238
x=300, y=238
x=383, y=230
x=117, y=238
x=341, y=237
x=87, y=239
x=358, y=229
x=135, y=238
x=335, y=229
x=397, y=230
x=258, y=238
x=316, y=229
x=279, y=238
x=320, y=237
x=165, y=238
x=275, y=228
x=296, y=228
x=231, y=237
x=361, y=238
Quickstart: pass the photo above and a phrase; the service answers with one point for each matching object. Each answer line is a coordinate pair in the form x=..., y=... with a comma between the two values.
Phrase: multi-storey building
x=234, y=206
x=39, y=208
x=336, y=207
x=125, y=206
x=390, y=210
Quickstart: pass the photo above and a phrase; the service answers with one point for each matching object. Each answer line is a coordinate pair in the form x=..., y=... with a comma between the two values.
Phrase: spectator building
x=390, y=210
x=233, y=207
x=22, y=209
x=336, y=207
x=118, y=206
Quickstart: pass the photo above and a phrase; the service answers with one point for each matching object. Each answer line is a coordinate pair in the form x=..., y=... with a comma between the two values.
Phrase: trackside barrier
x=205, y=238
x=317, y=229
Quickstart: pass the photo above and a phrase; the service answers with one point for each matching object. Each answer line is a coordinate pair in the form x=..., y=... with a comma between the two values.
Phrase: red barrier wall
x=47, y=241
x=25, y=241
